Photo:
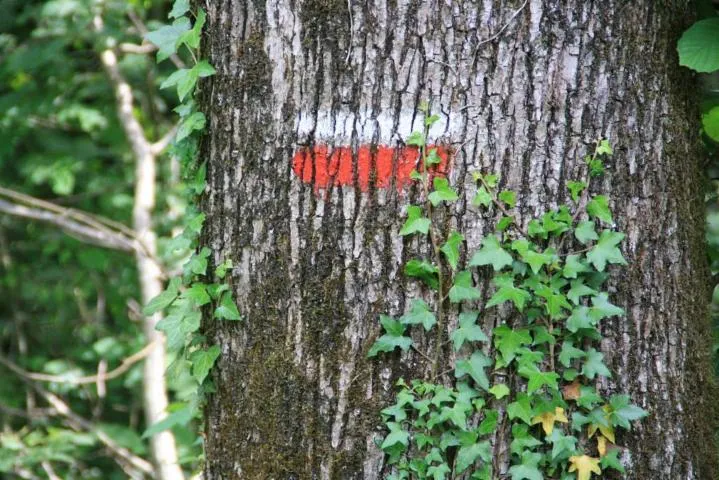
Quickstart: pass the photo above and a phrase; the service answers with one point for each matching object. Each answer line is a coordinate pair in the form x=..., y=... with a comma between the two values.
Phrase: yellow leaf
x=601, y=445
x=607, y=431
x=584, y=466
x=547, y=420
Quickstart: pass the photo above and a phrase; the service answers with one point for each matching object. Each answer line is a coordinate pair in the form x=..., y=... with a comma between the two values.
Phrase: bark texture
x=524, y=88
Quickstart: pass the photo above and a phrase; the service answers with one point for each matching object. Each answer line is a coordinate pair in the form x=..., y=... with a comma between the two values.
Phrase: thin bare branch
x=159, y=146
x=124, y=367
x=140, y=26
x=137, y=49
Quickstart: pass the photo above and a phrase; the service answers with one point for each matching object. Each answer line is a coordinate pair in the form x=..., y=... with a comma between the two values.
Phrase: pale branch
x=102, y=238
x=142, y=29
x=137, y=49
x=159, y=146
x=124, y=367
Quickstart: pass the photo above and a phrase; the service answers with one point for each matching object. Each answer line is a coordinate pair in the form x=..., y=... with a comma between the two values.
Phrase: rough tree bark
x=524, y=88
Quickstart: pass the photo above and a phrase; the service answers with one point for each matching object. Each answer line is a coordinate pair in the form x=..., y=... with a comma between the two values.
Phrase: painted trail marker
x=382, y=166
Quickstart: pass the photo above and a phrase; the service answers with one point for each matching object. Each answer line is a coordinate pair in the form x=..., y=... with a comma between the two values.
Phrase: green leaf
x=192, y=38
x=164, y=299
x=561, y=444
x=622, y=411
x=537, y=378
x=167, y=37
x=433, y=157
x=573, y=265
x=202, y=361
x=504, y=223
x=525, y=472
x=499, y=391
x=451, y=248
x=442, y=192
x=594, y=365
x=178, y=324
x=416, y=139
x=699, y=46
x=419, y=314
x=179, y=417
x=197, y=294
x=509, y=197
x=468, y=330
x=598, y=207
x=221, y=269
x=469, y=454
x=196, y=121
x=482, y=198
x=580, y=319
x=197, y=264
x=576, y=189
x=423, y=270
x=474, y=367
x=392, y=339
x=710, y=122
x=535, y=259
x=611, y=460
x=604, y=148
x=179, y=8
x=491, y=253
x=606, y=251
x=463, y=288
x=416, y=223
x=578, y=290
x=227, y=310
x=507, y=292
x=569, y=352
x=601, y=308
x=508, y=341
x=521, y=409
x=438, y=472
x=585, y=232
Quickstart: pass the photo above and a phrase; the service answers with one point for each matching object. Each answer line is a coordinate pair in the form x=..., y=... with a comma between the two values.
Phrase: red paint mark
x=323, y=166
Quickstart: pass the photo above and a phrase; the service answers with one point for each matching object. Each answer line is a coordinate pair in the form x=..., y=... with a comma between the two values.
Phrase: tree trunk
x=524, y=89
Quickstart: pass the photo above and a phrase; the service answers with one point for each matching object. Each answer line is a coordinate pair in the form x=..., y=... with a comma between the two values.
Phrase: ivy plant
x=548, y=288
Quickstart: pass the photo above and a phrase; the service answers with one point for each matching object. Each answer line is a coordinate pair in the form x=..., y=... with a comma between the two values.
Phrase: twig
x=501, y=208
x=41, y=377
x=51, y=475
x=163, y=142
x=504, y=27
x=140, y=26
x=426, y=357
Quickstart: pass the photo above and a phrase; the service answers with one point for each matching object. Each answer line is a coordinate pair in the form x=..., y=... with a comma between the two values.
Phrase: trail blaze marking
x=325, y=166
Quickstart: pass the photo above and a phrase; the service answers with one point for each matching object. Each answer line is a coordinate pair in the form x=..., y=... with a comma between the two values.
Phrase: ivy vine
x=538, y=372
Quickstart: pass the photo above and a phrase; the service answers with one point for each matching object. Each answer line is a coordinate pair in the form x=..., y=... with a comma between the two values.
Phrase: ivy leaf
x=416, y=139
x=573, y=265
x=433, y=158
x=419, y=314
x=580, y=319
x=392, y=339
x=415, y=223
x=179, y=8
x=182, y=416
x=508, y=341
x=468, y=455
x=606, y=251
x=604, y=148
x=611, y=460
x=509, y=197
x=562, y=443
x=451, y=248
x=491, y=253
x=622, y=412
x=535, y=259
x=507, y=292
x=525, y=472
x=438, y=472
x=227, y=310
x=202, y=361
x=585, y=232
x=164, y=299
x=584, y=465
x=192, y=37
x=474, y=367
x=548, y=419
x=167, y=37
x=180, y=322
x=442, y=192
x=396, y=436
x=579, y=289
x=569, y=352
x=482, y=198
x=197, y=294
x=594, y=365
x=699, y=46
x=710, y=122
x=467, y=330
x=521, y=409
x=576, y=189
x=598, y=207
x=499, y=391
x=537, y=378
x=463, y=289
x=423, y=270
x=196, y=121
x=602, y=308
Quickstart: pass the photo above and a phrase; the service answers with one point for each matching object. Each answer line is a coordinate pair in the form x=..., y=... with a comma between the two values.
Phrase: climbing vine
x=537, y=374
x=195, y=289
